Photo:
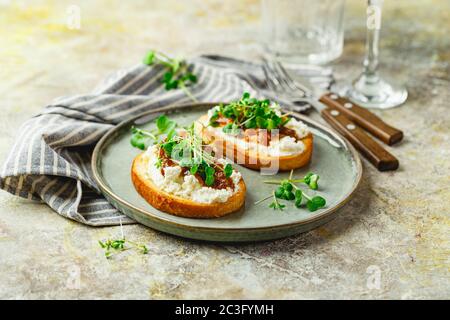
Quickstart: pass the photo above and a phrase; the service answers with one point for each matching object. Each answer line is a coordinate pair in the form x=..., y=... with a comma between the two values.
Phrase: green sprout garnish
x=248, y=113
x=177, y=75
x=186, y=151
x=141, y=139
x=209, y=174
x=288, y=190
x=114, y=246
x=275, y=204
x=228, y=170
x=311, y=180
x=315, y=203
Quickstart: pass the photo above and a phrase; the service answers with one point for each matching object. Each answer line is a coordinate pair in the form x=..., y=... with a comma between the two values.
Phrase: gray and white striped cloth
x=50, y=161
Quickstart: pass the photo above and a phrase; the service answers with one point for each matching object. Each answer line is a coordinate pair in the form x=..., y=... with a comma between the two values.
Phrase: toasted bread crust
x=256, y=161
x=178, y=206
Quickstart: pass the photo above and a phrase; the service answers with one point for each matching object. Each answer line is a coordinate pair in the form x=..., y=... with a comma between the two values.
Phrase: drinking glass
x=303, y=31
x=369, y=89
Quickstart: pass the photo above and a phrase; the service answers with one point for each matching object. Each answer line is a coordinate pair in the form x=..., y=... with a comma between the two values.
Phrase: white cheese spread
x=299, y=127
x=283, y=147
x=187, y=187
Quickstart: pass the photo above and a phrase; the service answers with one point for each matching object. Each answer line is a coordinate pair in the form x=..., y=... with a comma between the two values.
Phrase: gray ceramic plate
x=333, y=159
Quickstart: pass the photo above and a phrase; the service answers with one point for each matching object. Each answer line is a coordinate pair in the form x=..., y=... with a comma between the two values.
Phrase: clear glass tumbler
x=303, y=31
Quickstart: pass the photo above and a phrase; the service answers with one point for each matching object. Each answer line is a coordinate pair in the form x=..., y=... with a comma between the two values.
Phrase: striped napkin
x=51, y=159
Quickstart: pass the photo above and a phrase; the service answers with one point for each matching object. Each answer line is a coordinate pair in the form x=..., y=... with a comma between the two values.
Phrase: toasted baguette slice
x=176, y=205
x=250, y=158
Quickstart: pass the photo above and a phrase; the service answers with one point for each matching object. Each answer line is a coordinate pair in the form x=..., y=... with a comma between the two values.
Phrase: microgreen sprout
x=141, y=138
x=275, y=204
x=228, y=170
x=248, y=113
x=311, y=180
x=114, y=246
x=178, y=74
x=288, y=190
x=185, y=149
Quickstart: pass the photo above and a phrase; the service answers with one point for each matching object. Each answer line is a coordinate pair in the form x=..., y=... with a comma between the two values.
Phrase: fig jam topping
x=221, y=181
x=284, y=131
x=264, y=136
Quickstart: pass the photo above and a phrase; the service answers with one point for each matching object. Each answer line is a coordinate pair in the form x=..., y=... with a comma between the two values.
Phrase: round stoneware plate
x=333, y=159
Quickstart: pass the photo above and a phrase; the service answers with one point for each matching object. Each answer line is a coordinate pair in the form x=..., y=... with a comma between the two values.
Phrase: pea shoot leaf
x=194, y=169
x=178, y=74
x=248, y=113
x=277, y=206
x=209, y=179
x=288, y=190
x=138, y=141
x=315, y=203
x=232, y=129
x=228, y=170
x=114, y=246
x=311, y=179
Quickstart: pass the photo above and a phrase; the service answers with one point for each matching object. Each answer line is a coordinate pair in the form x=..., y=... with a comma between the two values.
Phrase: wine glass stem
x=373, y=37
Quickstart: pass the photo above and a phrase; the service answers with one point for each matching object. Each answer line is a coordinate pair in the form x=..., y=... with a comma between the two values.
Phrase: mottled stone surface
x=397, y=225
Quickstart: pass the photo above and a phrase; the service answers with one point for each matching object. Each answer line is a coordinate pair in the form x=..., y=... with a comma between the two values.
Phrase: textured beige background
x=397, y=225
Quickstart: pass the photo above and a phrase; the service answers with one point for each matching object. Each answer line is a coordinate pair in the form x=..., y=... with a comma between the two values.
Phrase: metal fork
x=331, y=106
x=286, y=89
x=279, y=80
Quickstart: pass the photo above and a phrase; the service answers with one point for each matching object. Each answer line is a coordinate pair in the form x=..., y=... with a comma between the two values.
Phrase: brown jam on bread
x=287, y=132
x=220, y=181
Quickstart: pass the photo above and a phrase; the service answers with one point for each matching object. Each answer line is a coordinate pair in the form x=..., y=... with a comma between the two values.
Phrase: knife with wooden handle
x=345, y=117
x=363, y=117
x=359, y=115
x=367, y=146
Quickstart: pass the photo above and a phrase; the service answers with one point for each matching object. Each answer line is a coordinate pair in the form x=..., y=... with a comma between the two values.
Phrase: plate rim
x=110, y=193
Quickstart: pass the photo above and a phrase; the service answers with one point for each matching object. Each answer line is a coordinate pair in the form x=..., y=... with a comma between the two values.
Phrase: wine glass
x=369, y=89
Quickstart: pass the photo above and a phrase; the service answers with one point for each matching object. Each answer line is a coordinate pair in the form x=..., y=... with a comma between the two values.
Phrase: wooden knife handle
x=368, y=147
x=363, y=117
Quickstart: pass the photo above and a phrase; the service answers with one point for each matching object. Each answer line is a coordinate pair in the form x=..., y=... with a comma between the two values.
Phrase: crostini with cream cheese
x=256, y=134
x=179, y=176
